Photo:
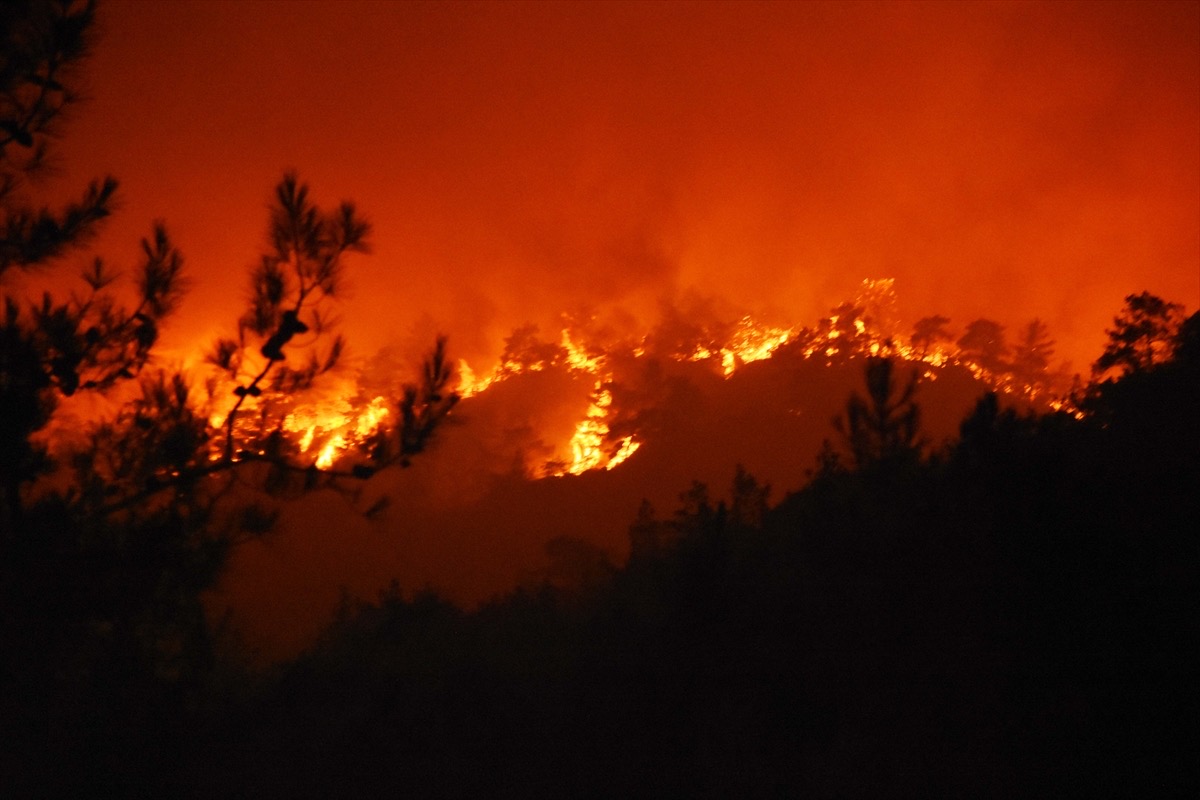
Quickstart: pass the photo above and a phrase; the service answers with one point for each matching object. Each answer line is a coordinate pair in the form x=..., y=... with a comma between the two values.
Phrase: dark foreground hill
x=1010, y=616
x=1011, y=619
x=468, y=521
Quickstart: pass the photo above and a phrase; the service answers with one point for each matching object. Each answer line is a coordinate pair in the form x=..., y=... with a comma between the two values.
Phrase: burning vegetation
x=1005, y=615
x=339, y=426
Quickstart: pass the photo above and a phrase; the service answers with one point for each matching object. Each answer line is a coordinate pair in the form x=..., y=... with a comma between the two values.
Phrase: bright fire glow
x=468, y=384
x=336, y=426
x=751, y=342
x=329, y=430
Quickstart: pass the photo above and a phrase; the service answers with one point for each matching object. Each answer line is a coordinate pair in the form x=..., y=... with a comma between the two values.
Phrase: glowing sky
x=1005, y=160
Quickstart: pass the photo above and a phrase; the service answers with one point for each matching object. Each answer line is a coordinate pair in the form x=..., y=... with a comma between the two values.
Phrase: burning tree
x=877, y=298
x=843, y=331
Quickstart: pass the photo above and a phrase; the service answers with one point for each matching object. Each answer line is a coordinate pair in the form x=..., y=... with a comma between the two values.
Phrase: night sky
x=1005, y=160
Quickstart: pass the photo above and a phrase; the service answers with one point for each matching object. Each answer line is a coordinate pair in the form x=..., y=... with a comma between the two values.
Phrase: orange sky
x=1004, y=160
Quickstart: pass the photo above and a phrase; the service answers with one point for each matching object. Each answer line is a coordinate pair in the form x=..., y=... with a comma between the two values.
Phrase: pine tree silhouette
x=882, y=429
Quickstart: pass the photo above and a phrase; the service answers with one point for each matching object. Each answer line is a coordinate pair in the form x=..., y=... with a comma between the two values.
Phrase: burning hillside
x=566, y=433
x=661, y=542
x=338, y=426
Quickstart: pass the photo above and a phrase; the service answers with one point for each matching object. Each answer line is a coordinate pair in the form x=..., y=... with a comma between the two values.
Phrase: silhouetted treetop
x=423, y=406
x=289, y=286
x=883, y=428
x=52, y=349
x=42, y=45
x=1142, y=335
x=1032, y=352
x=928, y=331
x=983, y=342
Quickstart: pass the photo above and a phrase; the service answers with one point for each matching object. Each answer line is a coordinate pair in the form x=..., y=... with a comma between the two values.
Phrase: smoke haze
x=1005, y=160
x=637, y=163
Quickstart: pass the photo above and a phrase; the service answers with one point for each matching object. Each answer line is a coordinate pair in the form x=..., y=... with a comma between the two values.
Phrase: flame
x=578, y=358
x=332, y=428
x=752, y=342
x=338, y=426
x=587, y=444
x=628, y=447
x=330, y=451
x=468, y=384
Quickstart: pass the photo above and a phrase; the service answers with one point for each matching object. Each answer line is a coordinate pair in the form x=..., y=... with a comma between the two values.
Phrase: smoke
x=999, y=160
x=644, y=167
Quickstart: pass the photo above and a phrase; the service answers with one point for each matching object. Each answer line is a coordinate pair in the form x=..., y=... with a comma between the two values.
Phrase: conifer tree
x=983, y=342
x=928, y=331
x=1142, y=335
x=1032, y=353
x=882, y=429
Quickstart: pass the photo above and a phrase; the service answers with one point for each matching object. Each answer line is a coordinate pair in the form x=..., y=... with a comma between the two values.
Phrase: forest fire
x=336, y=428
x=340, y=426
x=752, y=342
x=398, y=528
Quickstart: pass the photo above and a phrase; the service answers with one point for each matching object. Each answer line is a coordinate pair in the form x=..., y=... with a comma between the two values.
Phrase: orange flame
x=337, y=426
x=332, y=428
x=587, y=444
x=752, y=342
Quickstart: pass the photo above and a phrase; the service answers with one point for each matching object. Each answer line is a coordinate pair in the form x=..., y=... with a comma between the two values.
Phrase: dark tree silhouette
x=1031, y=354
x=92, y=341
x=647, y=538
x=884, y=428
x=1011, y=619
x=106, y=547
x=576, y=566
x=983, y=342
x=928, y=331
x=289, y=288
x=424, y=405
x=748, y=503
x=53, y=349
x=1141, y=336
x=44, y=44
x=102, y=637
